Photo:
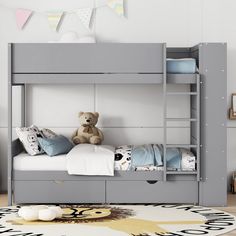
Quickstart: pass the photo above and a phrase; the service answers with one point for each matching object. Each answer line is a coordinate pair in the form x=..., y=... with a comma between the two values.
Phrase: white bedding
x=88, y=159
x=43, y=162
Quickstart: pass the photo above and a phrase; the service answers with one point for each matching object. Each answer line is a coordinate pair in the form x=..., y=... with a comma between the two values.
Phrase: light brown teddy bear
x=87, y=132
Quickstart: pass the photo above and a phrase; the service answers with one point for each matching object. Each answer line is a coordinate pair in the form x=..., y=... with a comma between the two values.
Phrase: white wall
x=130, y=114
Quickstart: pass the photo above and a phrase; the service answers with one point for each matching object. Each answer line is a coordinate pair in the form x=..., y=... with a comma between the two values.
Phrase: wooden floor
x=231, y=207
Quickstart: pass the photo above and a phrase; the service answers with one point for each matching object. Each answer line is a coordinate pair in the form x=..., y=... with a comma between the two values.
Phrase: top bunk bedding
x=181, y=66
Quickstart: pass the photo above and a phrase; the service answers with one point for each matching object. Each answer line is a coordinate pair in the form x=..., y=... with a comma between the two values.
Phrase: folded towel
x=89, y=159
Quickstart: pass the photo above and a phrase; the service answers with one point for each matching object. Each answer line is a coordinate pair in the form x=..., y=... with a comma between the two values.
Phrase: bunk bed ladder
x=194, y=121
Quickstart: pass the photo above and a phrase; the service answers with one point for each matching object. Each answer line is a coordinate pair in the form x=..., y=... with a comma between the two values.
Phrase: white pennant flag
x=54, y=19
x=85, y=15
x=117, y=6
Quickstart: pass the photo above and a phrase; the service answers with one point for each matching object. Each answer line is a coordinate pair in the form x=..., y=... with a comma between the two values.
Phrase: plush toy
x=87, y=132
x=40, y=212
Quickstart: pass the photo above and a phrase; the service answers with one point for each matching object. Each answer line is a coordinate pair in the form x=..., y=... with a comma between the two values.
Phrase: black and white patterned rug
x=122, y=220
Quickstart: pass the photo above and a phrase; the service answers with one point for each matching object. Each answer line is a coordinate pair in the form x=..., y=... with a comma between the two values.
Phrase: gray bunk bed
x=107, y=63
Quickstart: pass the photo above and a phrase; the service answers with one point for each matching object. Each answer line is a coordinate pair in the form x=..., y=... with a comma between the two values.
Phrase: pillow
x=123, y=157
x=47, y=133
x=55, y=146
x=188, y=160
x=29, y=138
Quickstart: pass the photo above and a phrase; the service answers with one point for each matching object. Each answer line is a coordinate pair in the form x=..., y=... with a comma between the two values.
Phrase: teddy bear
x=87, y=132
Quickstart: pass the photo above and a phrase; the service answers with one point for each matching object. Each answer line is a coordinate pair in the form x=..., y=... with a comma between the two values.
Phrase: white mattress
x=44, y=162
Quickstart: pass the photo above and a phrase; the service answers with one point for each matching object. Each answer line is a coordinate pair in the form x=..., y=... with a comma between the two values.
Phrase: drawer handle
x=58, y=181
x=152, y=181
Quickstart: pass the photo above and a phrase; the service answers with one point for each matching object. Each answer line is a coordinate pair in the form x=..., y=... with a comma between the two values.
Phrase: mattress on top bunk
x=181, y=66
x=42, y=162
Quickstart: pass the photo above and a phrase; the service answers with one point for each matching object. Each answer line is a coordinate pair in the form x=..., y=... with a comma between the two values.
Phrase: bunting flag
x=22, y=16
x=54, y=19
x=117, y=6
x=85, y=15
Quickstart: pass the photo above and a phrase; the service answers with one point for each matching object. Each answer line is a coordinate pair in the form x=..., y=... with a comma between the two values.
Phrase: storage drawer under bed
x=59, y=192
x=151, y=192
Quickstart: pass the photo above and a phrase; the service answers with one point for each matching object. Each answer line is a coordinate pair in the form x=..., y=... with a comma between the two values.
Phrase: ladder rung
x=182, y=93
x=182, y=119
x=182, y=172
x=182, y=145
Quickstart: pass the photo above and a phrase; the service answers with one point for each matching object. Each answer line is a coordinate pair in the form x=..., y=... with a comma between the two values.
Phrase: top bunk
x=101, y=63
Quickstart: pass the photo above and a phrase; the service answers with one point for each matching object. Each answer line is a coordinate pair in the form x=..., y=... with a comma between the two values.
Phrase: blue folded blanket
x=173, y=159
x=142, y=155
x=129, y=157
x=151, y=154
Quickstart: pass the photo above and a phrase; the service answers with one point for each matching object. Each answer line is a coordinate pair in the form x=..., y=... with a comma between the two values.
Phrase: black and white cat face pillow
x=29, y=138
x=123, y=157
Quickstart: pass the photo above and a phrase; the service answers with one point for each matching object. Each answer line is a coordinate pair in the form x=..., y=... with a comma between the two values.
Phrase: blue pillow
x=56, y=145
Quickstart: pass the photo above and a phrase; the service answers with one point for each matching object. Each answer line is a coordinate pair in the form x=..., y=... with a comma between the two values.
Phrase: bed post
x=164, y=111
x=213, y=70
x=9, y=124
x=23, y=105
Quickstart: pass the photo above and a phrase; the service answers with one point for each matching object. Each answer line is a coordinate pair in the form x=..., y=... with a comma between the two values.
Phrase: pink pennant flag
x=22, y=16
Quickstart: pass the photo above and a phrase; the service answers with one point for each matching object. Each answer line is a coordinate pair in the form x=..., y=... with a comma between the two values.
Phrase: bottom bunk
x=43, y=179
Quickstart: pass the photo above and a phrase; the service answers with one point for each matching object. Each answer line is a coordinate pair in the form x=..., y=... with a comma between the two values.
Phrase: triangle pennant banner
x=22, y=16
x=85, y=15
x=117, y=6
x=54, y=19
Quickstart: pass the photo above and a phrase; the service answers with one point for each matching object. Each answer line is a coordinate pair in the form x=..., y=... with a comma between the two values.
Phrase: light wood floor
x=231, y=207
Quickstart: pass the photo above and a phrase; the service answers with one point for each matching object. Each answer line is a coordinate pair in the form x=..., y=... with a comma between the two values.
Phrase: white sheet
x=43, y=162
x=88, y=159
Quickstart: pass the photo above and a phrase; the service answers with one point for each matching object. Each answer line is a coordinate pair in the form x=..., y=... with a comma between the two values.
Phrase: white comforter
x=88, y=159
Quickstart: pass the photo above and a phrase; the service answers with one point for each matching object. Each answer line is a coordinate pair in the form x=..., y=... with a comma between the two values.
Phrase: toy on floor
x=40, y=212
x=87, y=132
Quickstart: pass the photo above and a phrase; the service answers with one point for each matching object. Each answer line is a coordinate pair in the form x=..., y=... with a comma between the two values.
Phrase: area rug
x=122, y=220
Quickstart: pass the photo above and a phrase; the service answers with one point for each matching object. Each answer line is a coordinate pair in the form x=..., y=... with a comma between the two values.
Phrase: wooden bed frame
x=34, y=63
